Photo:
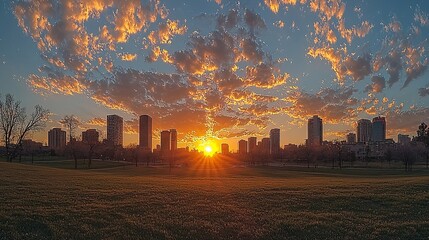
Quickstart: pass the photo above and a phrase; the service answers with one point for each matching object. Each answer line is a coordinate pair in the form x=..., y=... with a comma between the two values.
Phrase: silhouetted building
x=173, y=138
x=242, y=146
x=351, y=138
x=90, y=136
x=29, y=145
x=115, y=128
x=274, y=141
x=364, y=130
x=145, y=132
x=56, y=139
x=265, y=146
x=378, y=129
x=404, y=139
x=252, y=144
x=315, y=131
x=165, y=141
x=224, y=148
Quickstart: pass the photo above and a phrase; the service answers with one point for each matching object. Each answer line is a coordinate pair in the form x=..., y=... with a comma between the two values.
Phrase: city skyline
x=351, y=60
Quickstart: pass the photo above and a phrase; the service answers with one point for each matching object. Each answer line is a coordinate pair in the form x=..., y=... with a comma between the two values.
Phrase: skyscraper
x=165, y=141
x=115, y=127
x=90, y=136
x=145, y=132
x=173, y=138
x=252, y=144
x=315, y=131
x=378, y=129
x=364, y=130
x=242, y=146
x=265, y=146
x=274, y=141
x=351, y=138
x=56, y=139
x=225, y=148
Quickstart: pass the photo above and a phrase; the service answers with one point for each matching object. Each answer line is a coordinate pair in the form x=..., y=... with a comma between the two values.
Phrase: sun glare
x=208, y=151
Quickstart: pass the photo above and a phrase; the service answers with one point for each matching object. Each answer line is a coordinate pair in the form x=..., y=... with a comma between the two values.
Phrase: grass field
x=211, y=202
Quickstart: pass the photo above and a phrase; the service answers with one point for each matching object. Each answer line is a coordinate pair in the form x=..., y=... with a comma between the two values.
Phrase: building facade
x=56, y=139
x=315, y=131
x=351, y=138
x=404, y=139
x=145, y=132
x=165, y=141
x=265, y=146
x=242, y=146
x=252, y=144
x=274, y=141
x=378, y=129
x=90, y=136
x=364, y=130
x=224, y=148
x=173, y=138
x=115, y=129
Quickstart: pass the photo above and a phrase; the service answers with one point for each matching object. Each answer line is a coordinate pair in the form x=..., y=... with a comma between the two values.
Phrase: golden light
x=208, y=147
x=208, y=151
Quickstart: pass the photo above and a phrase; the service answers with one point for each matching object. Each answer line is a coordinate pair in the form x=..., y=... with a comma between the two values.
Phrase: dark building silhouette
x=242, y=146
x=265, y=146
x=274, y=141
x=115, y=129
x=364, y=130
x=315, y=131
x=378, y=129
x=224, y=148
x=351, y=138
x=165, y=141
x=145, y=132
x=252, y=144
x=90, y=136
x=404, y=139
x=56, y=139
x=173, y=138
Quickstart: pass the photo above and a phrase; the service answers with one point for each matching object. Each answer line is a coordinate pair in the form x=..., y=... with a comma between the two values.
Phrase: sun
x=208, y=151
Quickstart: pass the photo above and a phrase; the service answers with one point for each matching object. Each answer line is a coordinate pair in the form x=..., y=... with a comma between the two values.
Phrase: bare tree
x=16, y=124
x=71, y=123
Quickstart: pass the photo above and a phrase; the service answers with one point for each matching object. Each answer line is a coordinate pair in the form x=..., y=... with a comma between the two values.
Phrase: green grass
x=218, y=202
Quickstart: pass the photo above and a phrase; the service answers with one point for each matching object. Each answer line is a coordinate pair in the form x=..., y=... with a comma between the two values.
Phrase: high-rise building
x=315, y=131
x=115, y=127
x=252, y=144
x=90, y=136
x=225, y=148
x=364, y=130
x=378, y=129
x=265, y=146
x=404, y=139
x=56, y=139
x=274, y=141
x=173, y=138
x=165, y=141
x=242, y=146
x=145, y=132
x=351, y=138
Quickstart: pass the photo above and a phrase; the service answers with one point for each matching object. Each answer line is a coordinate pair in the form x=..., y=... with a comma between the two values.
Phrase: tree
x=16, y=124
x=71, y=123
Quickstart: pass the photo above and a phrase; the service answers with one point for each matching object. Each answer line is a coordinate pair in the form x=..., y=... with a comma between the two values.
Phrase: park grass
x=128, y=202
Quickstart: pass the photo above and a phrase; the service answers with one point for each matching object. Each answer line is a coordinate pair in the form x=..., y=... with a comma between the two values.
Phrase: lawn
x=212, y=202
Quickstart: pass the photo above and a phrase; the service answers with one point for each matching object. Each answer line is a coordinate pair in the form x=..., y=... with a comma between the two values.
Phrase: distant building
x=165, y=141
x=351, y=138
x=315, y=131
x=56, y=139
x=252, y=144
x=364, y=130
x=224, y=148
x=378, y=129
x=242, y=146
x=274, y=141
x=145, y=132
x=115, y=128
x=404, y=139
x=173, y=138
x=90, y=136
x=29, y=145
x=265, y=146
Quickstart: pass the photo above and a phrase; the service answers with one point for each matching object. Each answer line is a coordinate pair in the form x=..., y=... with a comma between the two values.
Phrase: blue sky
x=195, y=87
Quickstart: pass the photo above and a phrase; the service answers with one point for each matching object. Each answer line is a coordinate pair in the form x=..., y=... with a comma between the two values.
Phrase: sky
x=219, y=70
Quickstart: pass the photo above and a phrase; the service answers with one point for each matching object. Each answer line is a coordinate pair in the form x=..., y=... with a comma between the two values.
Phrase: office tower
x=115, y=127
x=252, y=144
x=378, y=129
x=173, y=138
x=90, y=136
x=364, y=130
x=145, y=132
x=56, y=139
x=404, y=139
x=225, y=148
x=315, y=131
x=274, y=141
x=265, y=146
x=351, y=138
x=242, y=146
x=165, y=141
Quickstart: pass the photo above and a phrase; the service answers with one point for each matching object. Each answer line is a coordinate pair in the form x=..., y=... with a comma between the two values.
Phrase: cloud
x=377, y=86
x=423, y=92
x=128, y=56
